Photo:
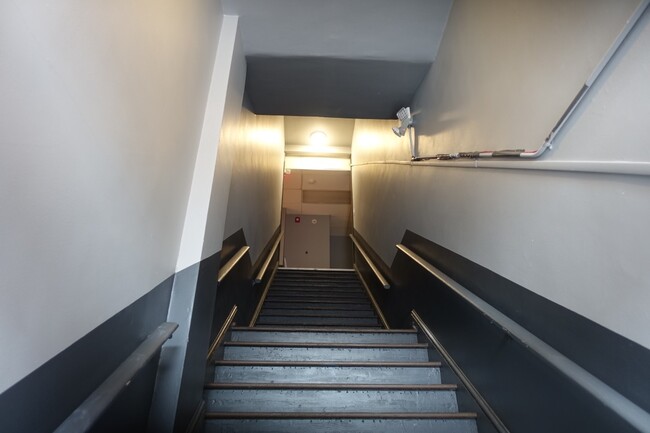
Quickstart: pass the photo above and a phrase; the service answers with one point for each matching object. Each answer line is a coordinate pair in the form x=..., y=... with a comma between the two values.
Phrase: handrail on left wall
x=87, y=414
x=221, y=334
x=382, y=280
x=230, y=264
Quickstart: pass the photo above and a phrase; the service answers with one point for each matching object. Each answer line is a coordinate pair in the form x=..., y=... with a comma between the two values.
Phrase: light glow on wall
x=267, y=136
x=316, y=163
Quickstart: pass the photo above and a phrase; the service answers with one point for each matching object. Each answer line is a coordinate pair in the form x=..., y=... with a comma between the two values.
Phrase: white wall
x=206, y=209
x=505, y=72
x=238, y=175
x=101, y=112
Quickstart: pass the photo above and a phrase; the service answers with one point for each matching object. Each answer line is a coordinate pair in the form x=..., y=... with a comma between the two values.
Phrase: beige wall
x=504, y=74
x=101, y=113
x=255, y=195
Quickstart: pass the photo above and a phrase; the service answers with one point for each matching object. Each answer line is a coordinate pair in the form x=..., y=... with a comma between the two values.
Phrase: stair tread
x=339, y=307
x=319, y=288
x=377, y=364
x=320, y=313
x=368, y=322
x=333, y=386
x=313, y=300
x=328, y=345
x=370, y=326
x=361, y=297
x=320, y=329
x=340, y=415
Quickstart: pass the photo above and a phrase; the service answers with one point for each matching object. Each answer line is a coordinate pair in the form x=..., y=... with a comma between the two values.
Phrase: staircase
x=318, y=361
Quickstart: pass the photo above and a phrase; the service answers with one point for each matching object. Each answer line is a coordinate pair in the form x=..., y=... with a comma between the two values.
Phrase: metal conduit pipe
x=534, y=154
x=633, y=168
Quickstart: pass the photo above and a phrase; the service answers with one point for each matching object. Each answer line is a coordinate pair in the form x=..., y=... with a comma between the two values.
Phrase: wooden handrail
x=87, y=414
x=374, y=268
x=230, y=264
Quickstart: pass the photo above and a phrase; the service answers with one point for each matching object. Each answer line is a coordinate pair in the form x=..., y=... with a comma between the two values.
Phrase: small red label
x=297, y=219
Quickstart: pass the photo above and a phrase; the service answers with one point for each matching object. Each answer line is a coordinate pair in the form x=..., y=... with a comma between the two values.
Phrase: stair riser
x=315, y=301
x=364, y=375
x=361, y=306
x=324, y=354
x=302, y=285
x=329, y=401
x=317, y=321
x=324, y=337
x=299, y=300
x=342, y=426
x=302, y=274
x=324, y=312
x=316, y=283
x=348, y=296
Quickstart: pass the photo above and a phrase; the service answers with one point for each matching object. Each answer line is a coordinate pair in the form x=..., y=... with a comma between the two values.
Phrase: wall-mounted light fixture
x=405, y=124
x=405, y=121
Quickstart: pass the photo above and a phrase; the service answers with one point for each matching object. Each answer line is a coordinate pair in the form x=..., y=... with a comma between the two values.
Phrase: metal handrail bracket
x=265, y=265
x=85, y=416
x=480, y=400
x=230, y=264
x=222, y=334
x=374, y=268
x=609, y=397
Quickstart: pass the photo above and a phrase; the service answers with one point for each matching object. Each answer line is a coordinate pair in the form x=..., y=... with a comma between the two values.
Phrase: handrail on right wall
x=609, y=397
x=260, y=275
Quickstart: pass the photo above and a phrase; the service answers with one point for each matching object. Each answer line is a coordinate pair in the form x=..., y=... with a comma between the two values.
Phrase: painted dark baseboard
x=528, y=394
x=200, y=279
x=43, y=400
x=182, y=372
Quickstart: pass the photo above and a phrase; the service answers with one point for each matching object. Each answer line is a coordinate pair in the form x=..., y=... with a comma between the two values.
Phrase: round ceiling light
x=318, y=138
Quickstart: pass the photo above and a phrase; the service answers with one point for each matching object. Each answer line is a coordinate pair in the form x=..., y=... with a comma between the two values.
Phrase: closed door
x=307, y=241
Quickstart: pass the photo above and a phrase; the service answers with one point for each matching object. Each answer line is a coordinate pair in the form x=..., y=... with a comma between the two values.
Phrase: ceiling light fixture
x=318, y=138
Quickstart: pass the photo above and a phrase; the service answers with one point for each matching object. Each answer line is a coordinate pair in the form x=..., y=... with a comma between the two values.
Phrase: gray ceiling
x=320, y=86
x=337, y=58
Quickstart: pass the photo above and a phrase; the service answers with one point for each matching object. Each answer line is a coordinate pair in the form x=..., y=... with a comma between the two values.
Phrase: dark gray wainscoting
x=44, y=399
x=527, y=393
